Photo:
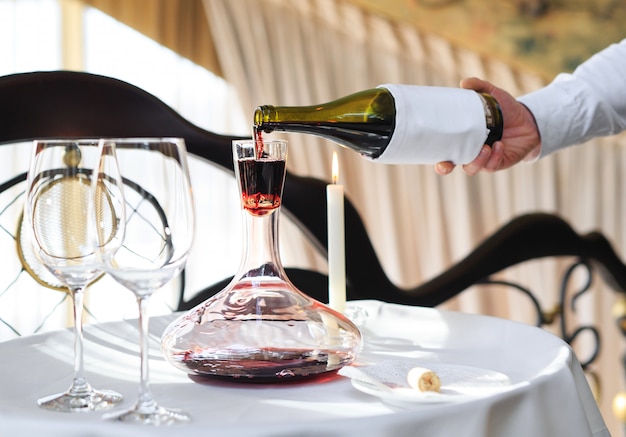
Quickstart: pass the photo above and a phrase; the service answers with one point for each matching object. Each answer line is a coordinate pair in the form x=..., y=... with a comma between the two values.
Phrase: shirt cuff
x=556, y=109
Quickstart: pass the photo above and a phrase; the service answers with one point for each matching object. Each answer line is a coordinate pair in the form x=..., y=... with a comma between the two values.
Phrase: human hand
x=520, y=137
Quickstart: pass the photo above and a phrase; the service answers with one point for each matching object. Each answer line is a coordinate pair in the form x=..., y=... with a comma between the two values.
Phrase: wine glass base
x=93, y=400
x=157, y=416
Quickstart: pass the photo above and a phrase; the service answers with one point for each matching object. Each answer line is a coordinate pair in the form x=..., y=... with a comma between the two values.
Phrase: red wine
x=263, y=365
x=258, y=141
x=261, y=184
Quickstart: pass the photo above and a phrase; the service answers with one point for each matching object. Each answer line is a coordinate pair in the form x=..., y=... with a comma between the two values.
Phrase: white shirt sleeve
x=590, y=102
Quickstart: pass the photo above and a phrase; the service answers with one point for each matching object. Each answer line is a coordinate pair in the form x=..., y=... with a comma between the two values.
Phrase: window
x=30, y=39
x=113, y=49
x=29, y=35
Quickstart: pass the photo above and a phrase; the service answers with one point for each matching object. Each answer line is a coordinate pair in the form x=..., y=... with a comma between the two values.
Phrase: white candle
x=336, y=242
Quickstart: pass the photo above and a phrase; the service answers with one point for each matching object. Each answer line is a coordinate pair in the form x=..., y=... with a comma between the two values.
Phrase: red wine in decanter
x=267, y=364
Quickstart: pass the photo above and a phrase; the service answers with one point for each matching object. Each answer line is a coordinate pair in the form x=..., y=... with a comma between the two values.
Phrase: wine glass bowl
x=56, y=224
x=156, y=204
x=71, y=252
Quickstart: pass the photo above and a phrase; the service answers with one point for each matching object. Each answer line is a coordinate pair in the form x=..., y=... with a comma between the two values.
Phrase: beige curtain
x=300, y=52
x=180, y=25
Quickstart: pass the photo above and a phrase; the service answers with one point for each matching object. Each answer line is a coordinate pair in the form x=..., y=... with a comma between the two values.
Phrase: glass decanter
x=260, y=327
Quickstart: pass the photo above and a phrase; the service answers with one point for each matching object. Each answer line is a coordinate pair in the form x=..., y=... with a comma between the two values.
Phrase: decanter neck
x=261, y=255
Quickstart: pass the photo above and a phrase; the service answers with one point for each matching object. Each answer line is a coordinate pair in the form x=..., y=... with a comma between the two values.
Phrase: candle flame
x=335, y=168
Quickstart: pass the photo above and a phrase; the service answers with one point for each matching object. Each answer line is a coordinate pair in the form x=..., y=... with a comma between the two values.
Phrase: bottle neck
x=261, y=255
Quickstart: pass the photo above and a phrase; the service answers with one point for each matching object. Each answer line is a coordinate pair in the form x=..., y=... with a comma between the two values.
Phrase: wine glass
x=56, y=213
x=153, y=176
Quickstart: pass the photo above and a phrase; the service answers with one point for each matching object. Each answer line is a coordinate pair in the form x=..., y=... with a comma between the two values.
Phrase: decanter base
x=267, y=365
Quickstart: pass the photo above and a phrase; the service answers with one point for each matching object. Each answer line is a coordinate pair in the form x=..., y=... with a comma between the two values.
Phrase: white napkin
x=435, y=124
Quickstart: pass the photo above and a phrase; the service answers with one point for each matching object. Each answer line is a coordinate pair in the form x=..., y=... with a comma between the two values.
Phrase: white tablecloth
x=548, y=395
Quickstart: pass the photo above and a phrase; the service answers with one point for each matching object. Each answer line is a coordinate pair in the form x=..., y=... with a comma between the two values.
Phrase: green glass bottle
x=397, y=123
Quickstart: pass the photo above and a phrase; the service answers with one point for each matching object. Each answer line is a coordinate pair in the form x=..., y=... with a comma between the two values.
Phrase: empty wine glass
x=56, y=213
x=159, y=224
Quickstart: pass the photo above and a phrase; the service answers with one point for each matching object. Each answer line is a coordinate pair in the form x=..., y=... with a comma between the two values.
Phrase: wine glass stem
x=146, y=400
x=79, y=384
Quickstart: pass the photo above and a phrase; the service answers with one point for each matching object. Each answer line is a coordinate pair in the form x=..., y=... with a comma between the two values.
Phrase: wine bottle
x=397, y=124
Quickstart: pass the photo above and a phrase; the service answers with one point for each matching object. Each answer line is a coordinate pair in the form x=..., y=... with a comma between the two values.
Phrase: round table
x=546, y=395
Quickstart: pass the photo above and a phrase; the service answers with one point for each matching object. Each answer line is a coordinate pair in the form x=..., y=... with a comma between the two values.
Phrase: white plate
x=458, y=382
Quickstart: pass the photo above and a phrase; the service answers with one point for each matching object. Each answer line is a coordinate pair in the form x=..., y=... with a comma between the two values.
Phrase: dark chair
x=66, y=104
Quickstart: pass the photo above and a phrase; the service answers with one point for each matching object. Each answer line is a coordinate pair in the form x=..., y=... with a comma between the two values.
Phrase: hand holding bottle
x=520, y=138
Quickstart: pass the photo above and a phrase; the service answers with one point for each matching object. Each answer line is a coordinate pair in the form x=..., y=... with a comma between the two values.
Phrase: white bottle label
x=435, y=124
